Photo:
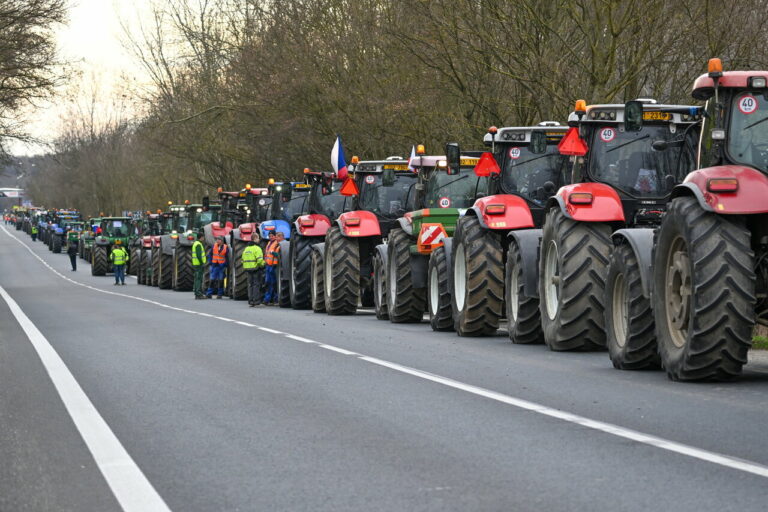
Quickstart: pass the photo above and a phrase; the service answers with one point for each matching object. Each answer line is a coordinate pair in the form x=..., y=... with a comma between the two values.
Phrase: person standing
x=253, y=264
x=34, y=232
x=219, y=258
x=271, y=258
x=119, y=257
x=72, y=247
x=198, y=265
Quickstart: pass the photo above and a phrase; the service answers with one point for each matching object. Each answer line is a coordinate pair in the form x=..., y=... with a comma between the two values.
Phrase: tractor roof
x=395, y=163
x=114, y=218
x=522, y=134
x=467, y=159
x=704, y=86
x=614, y=113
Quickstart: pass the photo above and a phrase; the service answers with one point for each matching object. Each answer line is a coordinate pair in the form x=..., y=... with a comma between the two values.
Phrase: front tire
x=572, y=271
x=183, y=276
x=99, y=260
x=523, y=316
x=165, y=275
x=439, y=296
x=629, y=327
x=283, y=287
x=56, y=245
x=705, y=284
x=404, y=302
x=238, y=278
x=341, y=269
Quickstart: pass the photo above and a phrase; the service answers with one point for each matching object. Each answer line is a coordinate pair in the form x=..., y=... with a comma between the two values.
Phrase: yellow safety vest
x=119, y=256
x=253, y=258
x=198, y=254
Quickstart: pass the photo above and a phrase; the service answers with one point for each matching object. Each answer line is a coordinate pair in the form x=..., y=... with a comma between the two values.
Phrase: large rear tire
x=380, y=287
x=317, y=287
x=283, y=287
x=184, y=276
x=438, y=295
x=523, y=316
x=56, y=246
x=238, y=277
x=165, y=276
x=572, y=270
x=629, y=327
x=132, y=261
x=478, y=266
x=99, y=260
x=341, y=269
x=300, y=254
x=141, y=270
x=704, y=285
x=155, y=266
x=404, y=302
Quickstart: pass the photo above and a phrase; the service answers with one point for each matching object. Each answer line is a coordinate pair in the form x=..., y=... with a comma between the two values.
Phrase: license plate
x=657, y=116
x=469, y=161
x=396, y=167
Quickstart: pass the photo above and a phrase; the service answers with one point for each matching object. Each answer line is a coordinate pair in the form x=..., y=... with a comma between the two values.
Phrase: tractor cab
x=289, y=200
x=641, y=150
x=386, y=189
x=115, y=228
x=252, y=205
x=325, y=196
x=443, y=188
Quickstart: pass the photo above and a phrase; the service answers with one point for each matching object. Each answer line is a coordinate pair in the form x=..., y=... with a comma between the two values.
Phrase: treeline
x=245, y=90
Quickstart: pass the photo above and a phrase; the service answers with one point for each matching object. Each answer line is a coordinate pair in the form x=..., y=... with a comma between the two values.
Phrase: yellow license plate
x=396, y=167
x=657, y=116
x=301, y=185
x=469, y=161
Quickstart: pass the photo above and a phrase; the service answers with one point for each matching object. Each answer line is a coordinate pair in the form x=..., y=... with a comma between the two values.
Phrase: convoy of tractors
x=640, y=228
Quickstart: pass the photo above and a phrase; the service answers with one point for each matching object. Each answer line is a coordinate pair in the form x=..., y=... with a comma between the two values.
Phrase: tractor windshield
x=627, y=161
x=290, y=208
x=748, y=134
x=183, y=222
x=526, y=173
x=115, y=228
x=205, y=218
x=454, y=191
x=391, y=201
x=329, y=201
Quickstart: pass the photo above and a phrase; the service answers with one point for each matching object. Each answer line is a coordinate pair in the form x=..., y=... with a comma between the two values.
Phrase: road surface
x=135, y=398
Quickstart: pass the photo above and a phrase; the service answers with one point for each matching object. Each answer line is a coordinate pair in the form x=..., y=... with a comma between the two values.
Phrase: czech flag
x=412, y=158
x=338, y=161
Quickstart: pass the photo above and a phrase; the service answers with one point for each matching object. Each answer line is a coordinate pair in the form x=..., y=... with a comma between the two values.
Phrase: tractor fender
x=381, y=250
x=419, y=270
x=168, y=244
x=641, y=242
x=313, y=224
x=516, y=215
x=185, y=241
x=406, y=225
x=214, y=229
x=244, y=232
x=605, y=207
x=285, y=261
x=368, y=224
x=273, y=226
x=101, y=241
x=749, y=198
x=448, y=248
x=528, y=241
x=319, y=248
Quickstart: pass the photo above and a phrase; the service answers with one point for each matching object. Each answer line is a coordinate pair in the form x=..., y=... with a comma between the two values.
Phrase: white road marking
x=608, y=428
x=339, y=350
x=244, y=323
x=129, y=485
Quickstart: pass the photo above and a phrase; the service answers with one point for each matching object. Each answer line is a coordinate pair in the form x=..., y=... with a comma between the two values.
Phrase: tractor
x=323, y=205
x=87, y=237
x=197, y=216
x=174, y=222
x=442, y=194
x=468, y=275
x=618, y=178
x=710, y=256
x=343, y=266
x=111, y=229
x=150, y=228
x=57, y=231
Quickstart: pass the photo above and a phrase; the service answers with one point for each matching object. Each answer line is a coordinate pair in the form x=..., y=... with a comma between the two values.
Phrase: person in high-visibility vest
x=119, y=258
x=219, y=259
x=34, y=233
x=272, y=259
x=253, y=264
x=198, y=266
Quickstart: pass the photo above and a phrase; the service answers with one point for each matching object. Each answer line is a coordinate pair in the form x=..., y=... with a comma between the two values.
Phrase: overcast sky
x=92, y=41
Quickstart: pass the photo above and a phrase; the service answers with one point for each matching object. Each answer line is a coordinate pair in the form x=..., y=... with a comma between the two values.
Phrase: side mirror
x=206, y=203
x=453, y=157
x=538, y=143
x=633, y=116
x=388, y=178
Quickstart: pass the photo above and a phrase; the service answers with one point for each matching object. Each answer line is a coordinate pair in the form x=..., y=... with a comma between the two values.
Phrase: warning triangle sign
x=487, y=165
x=572, y=144
x=349, y=188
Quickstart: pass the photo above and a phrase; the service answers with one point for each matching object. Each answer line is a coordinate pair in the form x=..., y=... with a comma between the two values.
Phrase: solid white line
x=129, y=485
x=339, y=350
x=647, y=439
x=244, y=323
x=608, y=428
x=299, y=338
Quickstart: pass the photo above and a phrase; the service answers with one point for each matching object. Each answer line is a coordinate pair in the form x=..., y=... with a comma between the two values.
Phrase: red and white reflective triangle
x=432, y=235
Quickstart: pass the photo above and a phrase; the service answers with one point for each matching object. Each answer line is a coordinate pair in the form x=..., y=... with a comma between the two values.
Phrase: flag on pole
x=338, y=161
x=411, y=158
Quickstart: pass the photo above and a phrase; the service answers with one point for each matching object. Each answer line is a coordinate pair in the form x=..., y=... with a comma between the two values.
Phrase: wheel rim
x=327, y=270
x=313, y=280
x=552, y=280
x=460, y=277
x=620, y=307
x=678, y=291
x=513, y=297
x=434, y=291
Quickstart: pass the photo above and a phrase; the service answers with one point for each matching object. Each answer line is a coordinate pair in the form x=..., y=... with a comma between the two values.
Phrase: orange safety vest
x=271, y=258
x=219, y=255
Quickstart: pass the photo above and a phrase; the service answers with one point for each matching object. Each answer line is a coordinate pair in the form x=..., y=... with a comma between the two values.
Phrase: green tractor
x=191, y=222
x=110, y=230
x=87, y=236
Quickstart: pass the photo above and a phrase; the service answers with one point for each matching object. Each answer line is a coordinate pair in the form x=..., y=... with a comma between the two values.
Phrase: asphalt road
x=210, y=405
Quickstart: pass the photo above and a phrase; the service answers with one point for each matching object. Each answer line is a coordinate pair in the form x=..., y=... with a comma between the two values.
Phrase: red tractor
x=150, y=226
x=710, y=256
x=619, y=179
x=343, y=266
x=525, y=169
x=324, y=204
x=246, y=213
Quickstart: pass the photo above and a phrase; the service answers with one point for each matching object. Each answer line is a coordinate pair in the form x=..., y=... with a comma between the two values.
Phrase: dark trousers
x=73, y=260
x=34, y=237
x=119, y=274
x=197, y=286
x=255, y=281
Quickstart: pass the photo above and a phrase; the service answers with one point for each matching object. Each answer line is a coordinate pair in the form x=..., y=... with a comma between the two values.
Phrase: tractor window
x=114, y=228
x=204, y=218
x=627, y=161
x=454, y=191
x=331, y=202
x=525, y=173
x=748, y=133
x=387, y=201
x=289, y=209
